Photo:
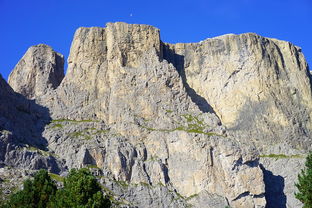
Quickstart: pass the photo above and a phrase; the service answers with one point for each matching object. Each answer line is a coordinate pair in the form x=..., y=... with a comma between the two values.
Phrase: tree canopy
x=304, y=184
x=81, y=190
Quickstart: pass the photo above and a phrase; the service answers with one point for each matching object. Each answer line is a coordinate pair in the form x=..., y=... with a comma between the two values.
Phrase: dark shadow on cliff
x=22, y=123
x=274, y=189
x=178, y=62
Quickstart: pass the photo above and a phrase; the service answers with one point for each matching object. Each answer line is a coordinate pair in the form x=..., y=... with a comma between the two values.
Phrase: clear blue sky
x=53, y=22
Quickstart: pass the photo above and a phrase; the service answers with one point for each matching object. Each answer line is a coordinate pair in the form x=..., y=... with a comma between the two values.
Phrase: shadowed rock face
x=173, y=119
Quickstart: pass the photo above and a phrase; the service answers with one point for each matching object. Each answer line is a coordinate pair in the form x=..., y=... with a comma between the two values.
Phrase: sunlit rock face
x=41, y=69
x=167, y=125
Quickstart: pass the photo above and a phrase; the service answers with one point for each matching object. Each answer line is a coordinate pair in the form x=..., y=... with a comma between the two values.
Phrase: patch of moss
x=191, y=197
x=122, y=183
x=193, y=119
x=281, y=156
x=40, y=151
x=144, y=184
x=57, y=125
x=179, y=195
x=56, y=177
x=194, y=125
x=101, y=131
x=80, y=134
x=169, y=111
x=92, y=166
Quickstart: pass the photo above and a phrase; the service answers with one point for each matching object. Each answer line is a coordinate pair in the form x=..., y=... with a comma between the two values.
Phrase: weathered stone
x=41, y=69
x=167, y=125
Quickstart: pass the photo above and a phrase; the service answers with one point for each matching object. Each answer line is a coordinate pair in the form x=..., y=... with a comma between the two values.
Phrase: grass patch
x=179, y=195
x=40, y=151
x=281, y=156
x=144, y=184
x=100, y=131
x=194, y=125
x=57, y=125
x=80, y=134
x=122, y=183
x=191, y=197
x=56, y=177
x=92, y=166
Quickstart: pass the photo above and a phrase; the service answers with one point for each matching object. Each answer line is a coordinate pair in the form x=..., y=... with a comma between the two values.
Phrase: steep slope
x=260, y=88
x=173, y=125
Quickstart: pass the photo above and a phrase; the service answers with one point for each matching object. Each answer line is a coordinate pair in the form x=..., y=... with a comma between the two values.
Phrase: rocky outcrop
x=169, y=125
x=259, y=87
x=22, y=122
x=41, y=69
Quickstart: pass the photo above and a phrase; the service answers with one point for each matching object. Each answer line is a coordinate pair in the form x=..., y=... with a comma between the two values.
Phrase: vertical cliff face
x=183, y=119
x=41, y=69
x=257, y=86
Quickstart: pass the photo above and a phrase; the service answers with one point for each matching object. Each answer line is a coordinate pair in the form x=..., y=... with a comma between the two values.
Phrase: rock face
x=259, y=87
x=41, y=69
x=167, y=125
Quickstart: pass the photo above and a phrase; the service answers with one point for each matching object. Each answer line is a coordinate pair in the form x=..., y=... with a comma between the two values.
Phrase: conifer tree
x=36, y=192
x=81, y=190
x=304, y=184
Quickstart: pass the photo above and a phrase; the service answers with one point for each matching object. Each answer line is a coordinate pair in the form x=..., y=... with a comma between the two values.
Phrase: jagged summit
x=40, y=69
x=193, y=117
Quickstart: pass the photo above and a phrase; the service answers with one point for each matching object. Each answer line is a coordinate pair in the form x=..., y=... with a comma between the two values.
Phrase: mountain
x=223, y=122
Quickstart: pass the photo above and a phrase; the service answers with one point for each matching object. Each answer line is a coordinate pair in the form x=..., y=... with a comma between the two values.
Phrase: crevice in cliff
x=274, y=189
x=247, y=193
x=177, y=61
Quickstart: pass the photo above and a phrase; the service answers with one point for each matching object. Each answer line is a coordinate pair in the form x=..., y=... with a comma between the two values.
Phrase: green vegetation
x=194, y=125
x=304, y=184
x=281, y=156
x=81, y=134
x=92, y=166
x=191, y=197
x=122, y=183
x=40, y=151
x=56, y=177
x=57, y=125
x=36, y=193
x=81, y=190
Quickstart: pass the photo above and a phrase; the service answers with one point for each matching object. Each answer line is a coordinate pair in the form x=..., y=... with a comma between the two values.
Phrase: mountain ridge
x=195, y=117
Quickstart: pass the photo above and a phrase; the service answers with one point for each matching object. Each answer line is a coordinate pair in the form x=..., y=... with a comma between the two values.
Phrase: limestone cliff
x=168, y=125
x=41, y=69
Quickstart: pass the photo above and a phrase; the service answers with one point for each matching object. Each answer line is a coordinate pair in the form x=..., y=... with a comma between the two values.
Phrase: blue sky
x=29, y=22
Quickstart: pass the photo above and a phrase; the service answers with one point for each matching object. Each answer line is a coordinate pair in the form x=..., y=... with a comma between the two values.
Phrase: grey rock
x=165, y=125
x=41, y=69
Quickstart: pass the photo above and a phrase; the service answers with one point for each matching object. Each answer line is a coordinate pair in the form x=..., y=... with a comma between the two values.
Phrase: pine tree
x=82, y=190
x=304, y=184
x=36, y=192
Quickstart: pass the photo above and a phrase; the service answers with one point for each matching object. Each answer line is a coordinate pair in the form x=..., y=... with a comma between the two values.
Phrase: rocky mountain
x=223, y=122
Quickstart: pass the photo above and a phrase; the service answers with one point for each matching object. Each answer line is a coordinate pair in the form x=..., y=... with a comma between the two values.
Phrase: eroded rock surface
x=41, y=69
x=167, y=125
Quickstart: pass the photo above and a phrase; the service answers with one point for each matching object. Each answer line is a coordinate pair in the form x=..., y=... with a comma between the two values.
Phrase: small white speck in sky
x=131, y=15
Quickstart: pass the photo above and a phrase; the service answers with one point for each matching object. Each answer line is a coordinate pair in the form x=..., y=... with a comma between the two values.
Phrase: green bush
x=304, y=184
x=81, y=190
x=36, y=192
